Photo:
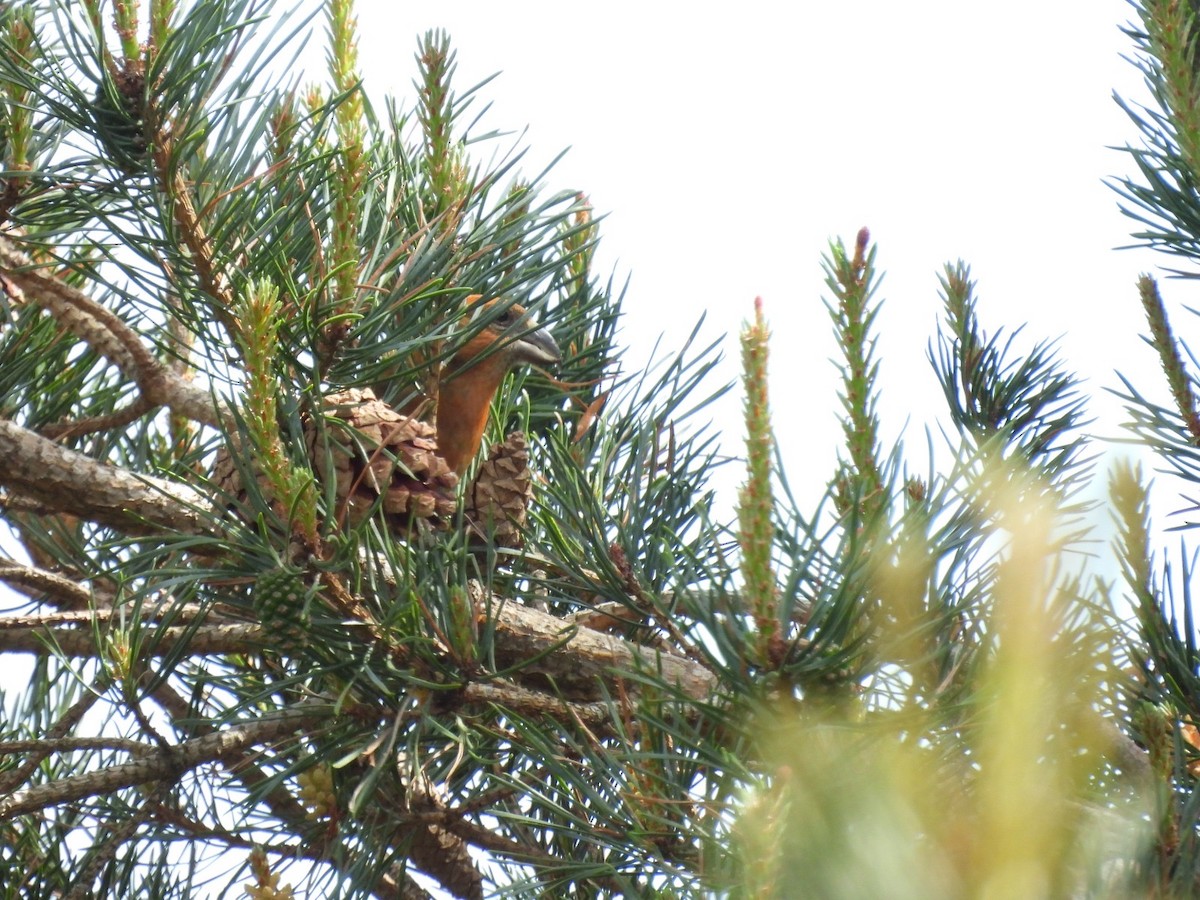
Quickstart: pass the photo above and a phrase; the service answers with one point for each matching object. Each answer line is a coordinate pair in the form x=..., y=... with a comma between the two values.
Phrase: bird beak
x=537, y=348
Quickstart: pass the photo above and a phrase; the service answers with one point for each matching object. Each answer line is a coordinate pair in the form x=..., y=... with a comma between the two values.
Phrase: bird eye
x=505, y=318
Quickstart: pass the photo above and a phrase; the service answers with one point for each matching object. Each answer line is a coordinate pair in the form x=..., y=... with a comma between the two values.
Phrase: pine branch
x=291, y=485
x=1171, y=29
x=537, y=704
x=579, y=660
x=16, y=116
x=104, y=331
x=70, y=482
x=59, y=730
x=67, y=593
x=70, y=745
x=163, y=765
x=194, y=640
x=852, y=282
x=1003, y=401
x=351, y=170
x=537, y=644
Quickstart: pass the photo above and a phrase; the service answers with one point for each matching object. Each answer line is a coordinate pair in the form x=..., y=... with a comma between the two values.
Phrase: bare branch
x=70, y=745
x=72, y=482
x=79, y=642
x=578, y=659
x=33, y=580
x=163, y=765
x=187, y=613
x=536, y=703
x=119, y=419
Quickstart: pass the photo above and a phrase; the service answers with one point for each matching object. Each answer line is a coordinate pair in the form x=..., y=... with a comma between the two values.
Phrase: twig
x=187, y=613
x=195, y=238
x=106, y=851
x=71, y=745
x=157, y=641
x=106, y=333
x=281, y=803
x=90, y=424
x=164, y=765
x=60, y=729
x=485, y=839
x=242, y=765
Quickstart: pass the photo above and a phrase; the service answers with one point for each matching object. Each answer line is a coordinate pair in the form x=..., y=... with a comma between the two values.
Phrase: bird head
x=510, y=335
x=470, y=378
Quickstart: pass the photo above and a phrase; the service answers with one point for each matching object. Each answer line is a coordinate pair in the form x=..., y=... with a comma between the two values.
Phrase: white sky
x=727, y=147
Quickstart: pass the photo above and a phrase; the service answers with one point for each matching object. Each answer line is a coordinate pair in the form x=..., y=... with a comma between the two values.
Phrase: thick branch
x=576, y=659
x=72, y=482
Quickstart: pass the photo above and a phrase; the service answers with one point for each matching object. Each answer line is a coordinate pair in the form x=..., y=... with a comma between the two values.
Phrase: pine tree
x=266, y=638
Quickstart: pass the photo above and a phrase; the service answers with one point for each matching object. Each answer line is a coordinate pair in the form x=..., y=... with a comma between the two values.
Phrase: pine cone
x=372, y=450
x=119, y=116
x=376, y=451
x=497, y=502
x=278, y=598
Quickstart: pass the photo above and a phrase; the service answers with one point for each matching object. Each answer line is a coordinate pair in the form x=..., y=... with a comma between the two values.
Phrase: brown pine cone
x=498, y=499
x=375, y=450
x=372, y=450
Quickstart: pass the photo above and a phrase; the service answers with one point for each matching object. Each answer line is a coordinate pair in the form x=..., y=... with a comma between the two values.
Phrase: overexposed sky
x=727, y=146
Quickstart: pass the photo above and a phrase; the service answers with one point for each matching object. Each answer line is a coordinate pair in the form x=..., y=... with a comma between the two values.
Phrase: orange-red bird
x=470, y=379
